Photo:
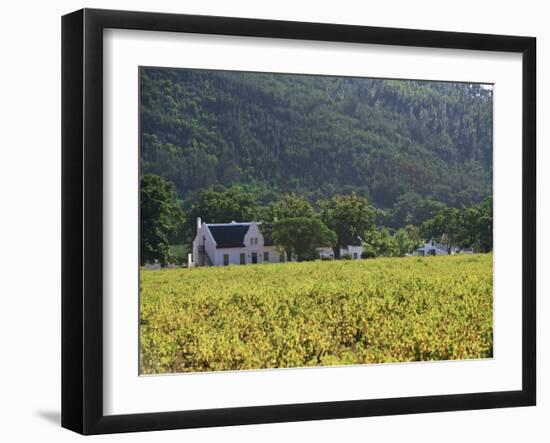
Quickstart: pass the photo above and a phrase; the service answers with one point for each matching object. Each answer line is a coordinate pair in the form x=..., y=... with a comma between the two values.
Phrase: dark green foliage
x=290, y=206
x=446, y=226
x=482, y=220
x=465, y=227
x=179, y=254
x=407, y=239
x=351, y=217
x=161, y=216
x=221, y=206
x=368, y=252
x=477, y=222
x=412, y=147
x=382, y=243
x=412, y=209
x=301, y=236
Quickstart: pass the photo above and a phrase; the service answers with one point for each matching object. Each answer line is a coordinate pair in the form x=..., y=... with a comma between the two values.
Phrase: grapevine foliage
x=316, y=313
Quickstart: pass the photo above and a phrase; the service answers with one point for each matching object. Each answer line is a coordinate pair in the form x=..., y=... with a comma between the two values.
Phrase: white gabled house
x=235, y=243
x=242, y=243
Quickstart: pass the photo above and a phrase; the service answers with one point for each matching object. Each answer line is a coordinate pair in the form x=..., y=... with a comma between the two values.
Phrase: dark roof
x=230, y=235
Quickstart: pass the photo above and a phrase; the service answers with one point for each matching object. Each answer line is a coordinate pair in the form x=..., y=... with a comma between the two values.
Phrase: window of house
x=242, y=258
x=355, y=255
x=266, y=256
x=225, y=259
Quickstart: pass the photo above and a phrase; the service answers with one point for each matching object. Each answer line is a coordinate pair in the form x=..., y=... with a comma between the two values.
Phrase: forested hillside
x=410, y=147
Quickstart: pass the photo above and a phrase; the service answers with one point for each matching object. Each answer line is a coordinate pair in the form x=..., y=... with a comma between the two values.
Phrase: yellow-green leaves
x=316, y=313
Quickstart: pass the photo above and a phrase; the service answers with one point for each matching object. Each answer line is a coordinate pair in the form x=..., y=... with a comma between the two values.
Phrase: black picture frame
x=82, y=218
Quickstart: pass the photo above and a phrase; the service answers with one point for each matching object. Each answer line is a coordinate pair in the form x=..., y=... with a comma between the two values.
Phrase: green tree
x=381, y=243
x=407, y=239
x=478, y=225
x=447, y=227
x=485, y=224
x=161, y=216
x=350, y=217
x=301, y=236
x=290, y=206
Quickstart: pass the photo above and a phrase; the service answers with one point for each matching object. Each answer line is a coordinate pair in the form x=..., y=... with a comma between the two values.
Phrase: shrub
x=368, y=253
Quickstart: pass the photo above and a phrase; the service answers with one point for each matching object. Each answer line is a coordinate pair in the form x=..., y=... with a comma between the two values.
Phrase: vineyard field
x=316, y=314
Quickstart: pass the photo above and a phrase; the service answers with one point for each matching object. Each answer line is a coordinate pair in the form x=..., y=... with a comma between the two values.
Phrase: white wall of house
x=253, y=244
x=434, y=248
x=203, y=237
x=354, y=251
x=234, y=255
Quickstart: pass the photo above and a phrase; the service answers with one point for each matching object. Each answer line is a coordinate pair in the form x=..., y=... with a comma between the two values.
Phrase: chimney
x=199, y=224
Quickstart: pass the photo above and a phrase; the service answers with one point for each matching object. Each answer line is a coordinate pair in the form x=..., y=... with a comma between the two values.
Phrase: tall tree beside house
x=407, y=239
x=447, y=226
x=465, y=227
x=349, y=216
x=302, y=236
x=485, y=224
x=478, y=225
x=289, y=206
x=161, y=216
x=382, y=243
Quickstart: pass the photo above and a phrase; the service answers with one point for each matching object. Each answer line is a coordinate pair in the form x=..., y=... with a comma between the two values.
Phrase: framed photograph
x=269, y=221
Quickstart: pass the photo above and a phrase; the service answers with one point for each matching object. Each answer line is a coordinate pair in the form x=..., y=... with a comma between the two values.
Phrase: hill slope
x=317, y=135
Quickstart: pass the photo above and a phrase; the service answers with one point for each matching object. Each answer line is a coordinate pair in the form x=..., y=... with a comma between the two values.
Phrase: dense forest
x=412, y=148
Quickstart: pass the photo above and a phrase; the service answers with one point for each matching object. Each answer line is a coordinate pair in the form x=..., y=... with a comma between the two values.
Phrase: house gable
x=253, y=238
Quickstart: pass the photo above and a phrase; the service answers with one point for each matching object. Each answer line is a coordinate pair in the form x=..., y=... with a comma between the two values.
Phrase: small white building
x=235, y=243
x=354, y=251
x=432, y=247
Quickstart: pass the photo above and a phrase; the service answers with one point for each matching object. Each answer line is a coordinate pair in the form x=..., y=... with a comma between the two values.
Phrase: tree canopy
x=289, y=206
x=411, y=147
x=464, y=227
x=161, y=216
x=351, y=217
x=301, y=236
